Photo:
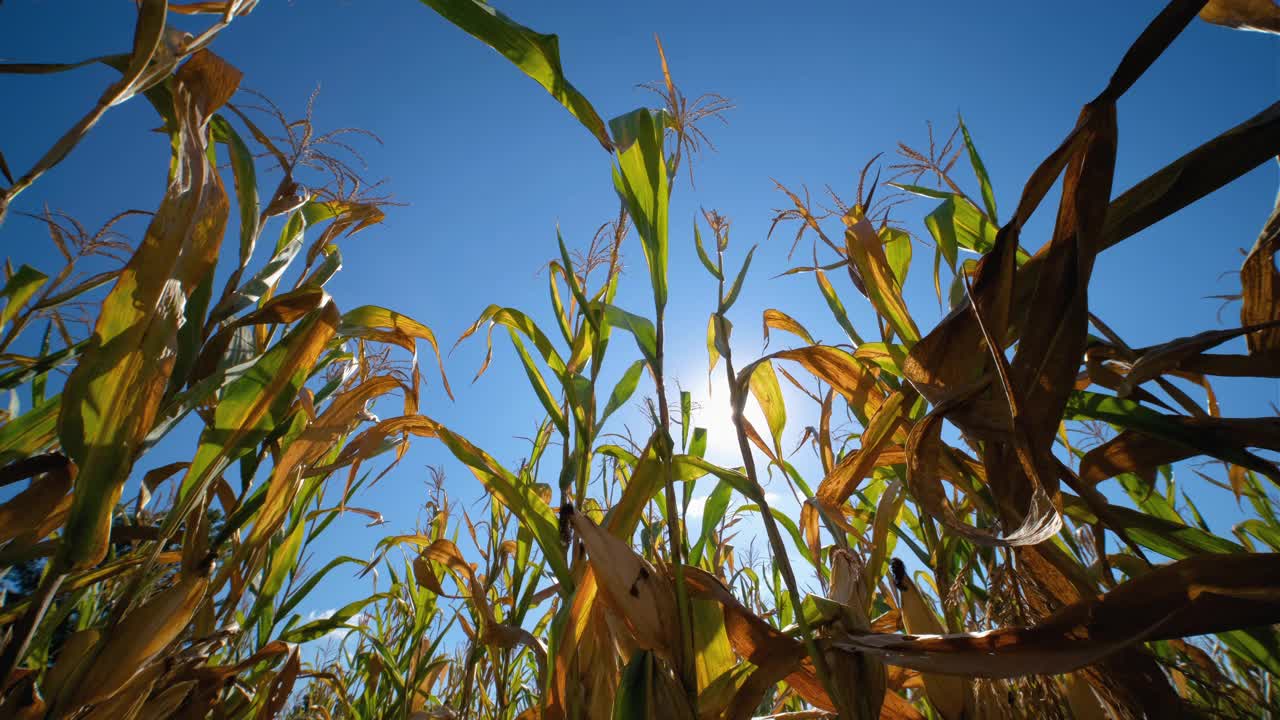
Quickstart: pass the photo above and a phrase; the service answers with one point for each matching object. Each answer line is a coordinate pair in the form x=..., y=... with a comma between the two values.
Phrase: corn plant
x=185, y=603
x=580, y=589
x=1040, y=612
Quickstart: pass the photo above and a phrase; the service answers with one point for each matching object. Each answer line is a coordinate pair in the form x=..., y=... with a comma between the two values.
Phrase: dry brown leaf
x=886, y=425
x=25, y=512
x=586, y=662
x=925, y=453
x=1260, y=286
x=1162, y=359
x=1133, y=451
x=1202, y=594
x=1259, y=15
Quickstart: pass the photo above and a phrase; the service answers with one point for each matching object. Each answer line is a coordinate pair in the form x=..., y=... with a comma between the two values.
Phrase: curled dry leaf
x=778, y=320
x=491, y=632
x=1166, y=358
x=1259, y=15
x=1260, y=285
x=1202, y=594
x=586, y=662
x=926, y=455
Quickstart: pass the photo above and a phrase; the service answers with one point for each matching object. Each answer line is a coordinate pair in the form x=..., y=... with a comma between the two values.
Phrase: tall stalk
x=737, y=399
x=675, y=537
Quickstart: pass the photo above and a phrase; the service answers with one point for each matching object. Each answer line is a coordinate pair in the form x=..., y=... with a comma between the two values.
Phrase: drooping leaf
x=378, y=323
x=639, y=327
x=253, y=405
x=537, y=55
x=1155, y=436
x=778, y=320
x=623, y=390
x=1202, y=594
x=639, y=595
x=1243, y=14
x=764, y=387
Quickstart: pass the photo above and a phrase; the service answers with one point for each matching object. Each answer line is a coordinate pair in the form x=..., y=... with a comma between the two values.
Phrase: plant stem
x=780, y=557
x=675, y=536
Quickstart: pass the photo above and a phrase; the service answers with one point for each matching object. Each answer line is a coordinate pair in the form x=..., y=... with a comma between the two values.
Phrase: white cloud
x=337, y=635
x=697, y=504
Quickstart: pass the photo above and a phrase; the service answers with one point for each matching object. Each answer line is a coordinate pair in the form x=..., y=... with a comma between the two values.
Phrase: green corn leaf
x=1258, y=647
x=922, y=190
x=319, y=628
x=39, y=370
x=1268, y=534
x=246, y=178
x=955, y=224
x=980, y=172
x=1084, y=404
x=736, y=288
x=640, y=177
x=539, y=385
x=897, y=250
x=768, y=393
x=18, y=291
x=698, y=445
x=623, y=390
x=712, y=513
x=537, y=55
x=100, y=427
x=1173, y=540
x=635, y=697
x=686, y=411
x=702, y=254
x=522, y=498
x=30, y=432
x=253, y=405
x=641, y=328
x=265, y=280
x=837, y=307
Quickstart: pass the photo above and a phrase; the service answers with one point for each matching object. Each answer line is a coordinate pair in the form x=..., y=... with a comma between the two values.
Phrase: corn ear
x=948, y=694
x=860, y=678
x=1084, y=703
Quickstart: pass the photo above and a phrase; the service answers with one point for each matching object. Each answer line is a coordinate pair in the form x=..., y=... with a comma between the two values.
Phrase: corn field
x=967, y=561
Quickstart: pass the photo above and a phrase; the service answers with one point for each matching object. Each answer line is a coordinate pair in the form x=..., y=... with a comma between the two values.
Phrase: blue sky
x=488, y=164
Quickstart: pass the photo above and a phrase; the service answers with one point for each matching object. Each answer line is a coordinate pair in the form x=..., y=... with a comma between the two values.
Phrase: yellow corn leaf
x=140, y=637
x=134, y=342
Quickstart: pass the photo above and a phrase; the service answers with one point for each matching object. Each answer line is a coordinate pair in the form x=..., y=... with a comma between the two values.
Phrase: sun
x=713, y=411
